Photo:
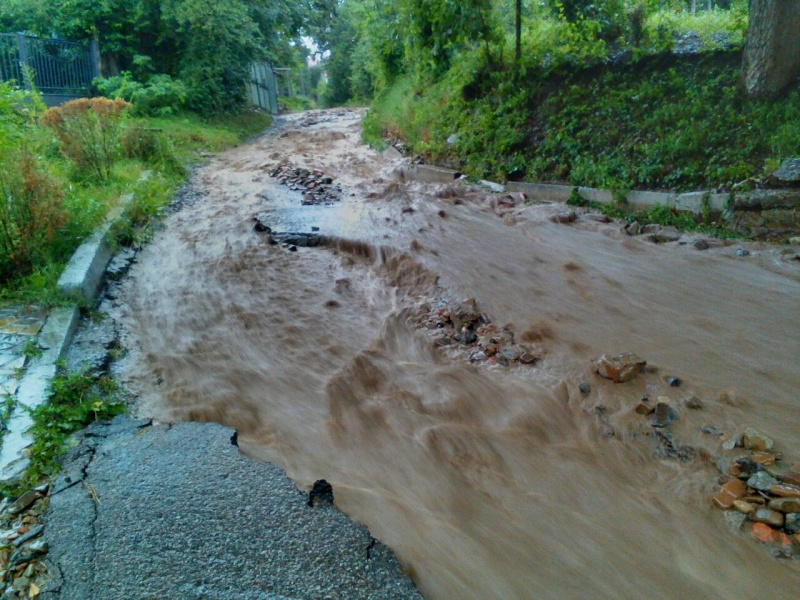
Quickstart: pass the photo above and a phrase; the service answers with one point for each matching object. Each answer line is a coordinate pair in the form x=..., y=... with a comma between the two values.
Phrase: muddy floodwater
x=488, y=481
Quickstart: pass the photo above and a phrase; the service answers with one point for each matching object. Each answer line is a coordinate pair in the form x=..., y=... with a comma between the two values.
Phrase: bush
x=152, y=147
x=31, y=214
x=161, y=95
x=89, y=131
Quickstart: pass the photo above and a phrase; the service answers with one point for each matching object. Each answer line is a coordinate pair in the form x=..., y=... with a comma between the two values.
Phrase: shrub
x=152, y=147
x=89, y=131
x=31, y=213
x=161, y=95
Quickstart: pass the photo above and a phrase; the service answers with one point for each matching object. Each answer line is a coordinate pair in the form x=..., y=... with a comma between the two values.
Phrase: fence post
x=22, y=47
x=94, y=50
x=273, y=91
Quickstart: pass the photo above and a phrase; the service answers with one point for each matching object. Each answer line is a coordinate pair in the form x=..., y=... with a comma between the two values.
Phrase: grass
x=192, y=135
x=74, y=401
x=706, y=222
x=662, y=123
x=183, y=139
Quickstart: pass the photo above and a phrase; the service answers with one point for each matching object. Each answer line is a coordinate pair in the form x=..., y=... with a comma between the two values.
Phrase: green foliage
x=605, y=19
x=295, y=103
x=395, y=115
x=716, y=28
x=208, y=45
x=31, y=213
x=46, y=212
x=75, y=400
x=31, y=349
x=659, y=123
x=680, y=127
x=89, y=131
x=436, y=30
x=217, y=42
x=161, y=95
x=151, y=195
x=151, y=147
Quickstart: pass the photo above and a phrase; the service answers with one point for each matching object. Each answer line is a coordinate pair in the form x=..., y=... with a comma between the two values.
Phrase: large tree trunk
x=772, y=54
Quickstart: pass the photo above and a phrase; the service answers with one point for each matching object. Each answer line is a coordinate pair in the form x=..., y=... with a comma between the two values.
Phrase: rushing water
x=488, y=482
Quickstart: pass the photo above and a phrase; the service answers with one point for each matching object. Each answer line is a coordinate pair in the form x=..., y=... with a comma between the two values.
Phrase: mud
x=487, y=481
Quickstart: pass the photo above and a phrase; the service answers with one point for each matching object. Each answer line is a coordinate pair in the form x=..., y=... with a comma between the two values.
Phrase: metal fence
x=263, y=87
x=60, y=69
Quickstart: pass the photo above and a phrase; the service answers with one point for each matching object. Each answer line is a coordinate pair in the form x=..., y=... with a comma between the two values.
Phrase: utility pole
x=518, y=26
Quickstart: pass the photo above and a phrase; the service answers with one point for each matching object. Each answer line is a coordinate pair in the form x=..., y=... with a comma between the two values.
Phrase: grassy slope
x=661, y=123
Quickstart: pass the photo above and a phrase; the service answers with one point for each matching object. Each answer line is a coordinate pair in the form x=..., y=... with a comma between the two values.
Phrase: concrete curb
x=54, y=338
x=691, y=201
x=427, y=174
x=83, y=275
x=80, y=281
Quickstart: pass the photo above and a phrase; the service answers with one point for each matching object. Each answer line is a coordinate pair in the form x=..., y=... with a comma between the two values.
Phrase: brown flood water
x=488, y=482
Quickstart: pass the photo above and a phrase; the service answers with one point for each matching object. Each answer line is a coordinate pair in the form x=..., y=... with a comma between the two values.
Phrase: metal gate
x=61, y=70
x=263, y=87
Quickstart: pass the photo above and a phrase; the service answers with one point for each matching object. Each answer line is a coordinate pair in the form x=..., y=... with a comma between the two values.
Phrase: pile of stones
x=316, y=187
x=462, y=325
x=21, y=547
x=761, y=493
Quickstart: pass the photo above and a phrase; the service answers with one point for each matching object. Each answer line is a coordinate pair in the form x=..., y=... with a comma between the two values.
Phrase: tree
x=772, y=53
x=436, y=29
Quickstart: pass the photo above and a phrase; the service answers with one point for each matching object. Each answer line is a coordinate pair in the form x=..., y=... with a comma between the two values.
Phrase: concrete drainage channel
x=80, y=281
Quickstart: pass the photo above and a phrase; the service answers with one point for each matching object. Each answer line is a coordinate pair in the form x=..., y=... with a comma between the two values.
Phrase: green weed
x=31, y=349
x=74, y=401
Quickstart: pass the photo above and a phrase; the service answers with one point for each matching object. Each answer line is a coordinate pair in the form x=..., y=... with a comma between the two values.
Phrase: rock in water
x=711, y=430
x=564, y=217
x=664, y=415
x=735, y=520
x=665, y=236
x=633, y=228
x=621, y=367
x=793, y=523
x=785, y=505
x=768, y=517
x=754, y=440
x=694, y=403
x=762, y=481
x=321, y=492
